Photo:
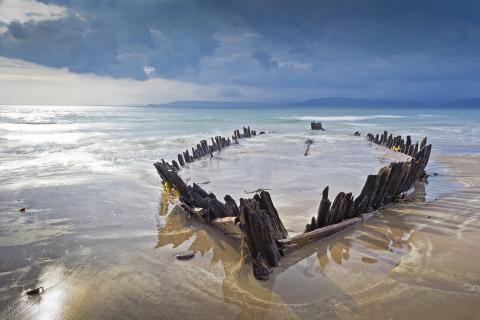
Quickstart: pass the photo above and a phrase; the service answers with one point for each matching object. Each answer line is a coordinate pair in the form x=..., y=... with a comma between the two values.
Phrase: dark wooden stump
x=316, y=125
x=231, y=206
x=256, y=228
x=362, y=202
x=278, y=229
x=216, y=209
x=180, y=160
x=175, y=165
x=323, y=209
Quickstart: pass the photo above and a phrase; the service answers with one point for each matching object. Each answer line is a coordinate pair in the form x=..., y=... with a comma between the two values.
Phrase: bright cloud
x=29, y=10
x=28, y=83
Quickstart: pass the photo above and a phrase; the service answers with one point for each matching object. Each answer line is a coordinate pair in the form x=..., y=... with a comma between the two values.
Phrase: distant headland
x=326, y=102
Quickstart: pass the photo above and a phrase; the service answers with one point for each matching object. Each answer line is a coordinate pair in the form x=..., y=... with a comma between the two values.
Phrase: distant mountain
x=464, y=103
x=324, y=102
x=348, y=102
x=215, y=104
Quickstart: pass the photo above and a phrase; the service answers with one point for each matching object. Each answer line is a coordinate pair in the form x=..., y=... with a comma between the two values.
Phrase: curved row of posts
x=397, y=143
x=380, y=189
x=256, y=221
x=203, y=149
x=194, y=196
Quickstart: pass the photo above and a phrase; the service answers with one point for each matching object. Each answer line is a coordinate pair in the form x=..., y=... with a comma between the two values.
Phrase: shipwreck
x=256, y=223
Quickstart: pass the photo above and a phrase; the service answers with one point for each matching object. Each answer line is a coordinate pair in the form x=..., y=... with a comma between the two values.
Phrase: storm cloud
x=385, y=49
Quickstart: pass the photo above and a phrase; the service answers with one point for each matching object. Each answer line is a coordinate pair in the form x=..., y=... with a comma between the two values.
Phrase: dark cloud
x=116, y=38
x=265, y=59
x=16, y=30
x=344, y=44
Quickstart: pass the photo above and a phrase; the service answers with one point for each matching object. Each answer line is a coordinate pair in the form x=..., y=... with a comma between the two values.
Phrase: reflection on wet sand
x=175, y=231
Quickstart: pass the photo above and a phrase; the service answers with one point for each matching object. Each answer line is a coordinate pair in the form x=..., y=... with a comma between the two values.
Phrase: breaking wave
x=344, y=118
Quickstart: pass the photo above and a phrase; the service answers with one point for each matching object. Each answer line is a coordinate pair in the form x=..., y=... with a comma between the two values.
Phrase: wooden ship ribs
x=256, y=221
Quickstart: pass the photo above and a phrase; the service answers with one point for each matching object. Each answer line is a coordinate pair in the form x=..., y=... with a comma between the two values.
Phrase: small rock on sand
x=35, y=291
x=185, y=255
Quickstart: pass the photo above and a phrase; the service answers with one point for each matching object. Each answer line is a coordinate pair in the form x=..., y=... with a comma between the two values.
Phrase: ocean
x=97, y=233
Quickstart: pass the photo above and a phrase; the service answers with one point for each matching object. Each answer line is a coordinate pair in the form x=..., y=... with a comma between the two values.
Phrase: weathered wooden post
x=180, y=160
x=258, y=231
x=323, y=209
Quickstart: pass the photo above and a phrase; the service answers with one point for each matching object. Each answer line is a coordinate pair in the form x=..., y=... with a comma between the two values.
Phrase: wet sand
x=414, y=260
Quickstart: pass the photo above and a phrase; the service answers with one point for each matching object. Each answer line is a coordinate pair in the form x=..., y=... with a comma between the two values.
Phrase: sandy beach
x=414, y=260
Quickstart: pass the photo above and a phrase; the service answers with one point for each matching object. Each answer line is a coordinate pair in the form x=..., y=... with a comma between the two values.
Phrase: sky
x=156, y=51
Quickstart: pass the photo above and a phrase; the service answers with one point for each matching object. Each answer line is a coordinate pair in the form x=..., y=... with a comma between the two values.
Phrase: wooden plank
x=304, y=239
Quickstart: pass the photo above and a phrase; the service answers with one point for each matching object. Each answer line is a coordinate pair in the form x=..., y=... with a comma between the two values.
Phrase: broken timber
x=256, y=221
x=308, y=144
x=316, y=125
